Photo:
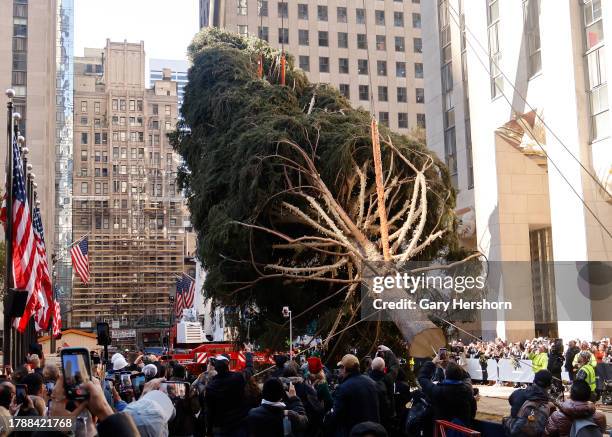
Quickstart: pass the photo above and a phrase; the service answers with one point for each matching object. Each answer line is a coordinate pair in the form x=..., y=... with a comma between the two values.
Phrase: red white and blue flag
x=56, y=328
x=44, y=285
x=80, y=259
x=185, y=293
x=25, y=251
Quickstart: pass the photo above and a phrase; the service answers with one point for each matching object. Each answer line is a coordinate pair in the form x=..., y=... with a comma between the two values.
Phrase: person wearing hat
x=586, y=372
x=368, y=429
x=151, y=413
x=267, y=419
x=317, y=378
x=120, y=364
x=226, y=409
x=355, y=400
x=538, y=391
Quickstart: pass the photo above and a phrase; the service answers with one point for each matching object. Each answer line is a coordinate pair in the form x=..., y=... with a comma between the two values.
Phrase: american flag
x=44, y=285
x=80, y=259
x=185, y=292
x=25, y=252
x=57, y=319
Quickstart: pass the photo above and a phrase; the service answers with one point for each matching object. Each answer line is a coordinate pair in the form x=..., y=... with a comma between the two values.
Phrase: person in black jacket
x=267, y=419
x=571, y=352
x=355, y=399
x=226, y=409
x=452, y=399
x=385, y=392
x=538, y=391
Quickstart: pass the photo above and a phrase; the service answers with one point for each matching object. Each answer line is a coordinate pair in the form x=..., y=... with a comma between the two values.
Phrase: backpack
x=585, y=428
x=530, y=420
x=420, y=416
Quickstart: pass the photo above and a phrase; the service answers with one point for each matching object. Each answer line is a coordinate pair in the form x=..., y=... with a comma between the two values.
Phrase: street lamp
x=287, y=314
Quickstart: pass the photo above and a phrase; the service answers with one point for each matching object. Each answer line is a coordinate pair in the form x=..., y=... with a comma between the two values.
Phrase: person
x=538, y=391
x=600, y=353
x=120, y=364
x=355, y=400
x=307, y=394
x=586, y=372
x=452, y=399
x=539, y=359
x=226, y=411
x=368, y=429
x=555, y=364
x=385, y=392
x=34, y=362
x=267, y=419
x=36, y=392
x=184, y=422
x=571, y=352
x=7, y=392
x=585, y=347
x=152, y=411
x=577, y=407
x=317, y=379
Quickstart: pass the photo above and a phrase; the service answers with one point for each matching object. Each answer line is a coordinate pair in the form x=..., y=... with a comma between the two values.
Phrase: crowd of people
x=375, y=396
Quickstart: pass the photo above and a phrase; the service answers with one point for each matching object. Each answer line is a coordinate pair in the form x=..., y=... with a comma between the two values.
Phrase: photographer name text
x=427, y=304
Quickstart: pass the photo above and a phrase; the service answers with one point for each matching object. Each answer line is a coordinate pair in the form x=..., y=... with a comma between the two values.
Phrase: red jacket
x=560, y=422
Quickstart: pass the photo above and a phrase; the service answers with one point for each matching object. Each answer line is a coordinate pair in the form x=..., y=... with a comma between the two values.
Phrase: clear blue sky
x=166, y=27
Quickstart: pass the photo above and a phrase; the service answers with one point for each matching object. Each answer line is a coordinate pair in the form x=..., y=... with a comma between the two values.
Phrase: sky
x=166, y=27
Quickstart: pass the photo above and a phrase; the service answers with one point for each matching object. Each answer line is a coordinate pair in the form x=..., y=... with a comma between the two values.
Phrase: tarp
x=505, y=369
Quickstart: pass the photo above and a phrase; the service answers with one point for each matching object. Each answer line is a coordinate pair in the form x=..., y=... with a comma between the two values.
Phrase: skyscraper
x=517, y=104
x=125, y=197
x=370, y=51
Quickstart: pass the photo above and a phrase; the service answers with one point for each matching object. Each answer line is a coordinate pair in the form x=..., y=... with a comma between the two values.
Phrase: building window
x=83, y=106
x=343, y=65
x=400, y=69
x=450, y=151
x=84, y=187
x=342, y=40
x=115, y=105
x=543, y=282
x=420, y=95
x=84, y=138
x=122, y=105
x=362, y=41
x=283, y=10
x=400, y=44
x=416, y=20
x=341, y=14
x=402, y=94
x=383, y=94
x=168, y=110
x=593, y=23
x=97, y=107
x=139, y=105
x=383, y=118
x=323, y=64
x=283, y=36
x=421, y=121
x=303, y=37
x=364, y=92
x=84, y=120
x=322, y=13
x=84, y=155
x=241, y=7
x=362, y=66
x=497, y=80
x=417, y=45
x=402, y=120
x=360, y=16
x=598, y=93
x=243, y=29
x=531, y=13
x=263, y=33
x=418, y=70
x=381, y=42
x=132, y=105
x=304, y=62
x=302, y=11
x=381, y=68
x=262, y=8
x=323, y=38
x=398, y=19
x=154, y=108
x=345, y=90
x=379, y=18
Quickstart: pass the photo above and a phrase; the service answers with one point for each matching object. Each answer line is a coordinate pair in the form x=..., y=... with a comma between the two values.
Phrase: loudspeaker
x=104, y=335
x=16, y=302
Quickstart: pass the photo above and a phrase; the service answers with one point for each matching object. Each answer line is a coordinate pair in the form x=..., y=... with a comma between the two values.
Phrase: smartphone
x=126, y=381
x=138, y=379
x=49, y=386
x=175, y=389
x=76, y=369
x=21, y=391
x=110, y=383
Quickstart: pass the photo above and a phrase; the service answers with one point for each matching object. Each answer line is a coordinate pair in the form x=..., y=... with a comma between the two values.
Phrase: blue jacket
x=355, y=401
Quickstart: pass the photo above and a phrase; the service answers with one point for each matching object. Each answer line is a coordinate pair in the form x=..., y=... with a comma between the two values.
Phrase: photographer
x=184, y=423
x=278, y=407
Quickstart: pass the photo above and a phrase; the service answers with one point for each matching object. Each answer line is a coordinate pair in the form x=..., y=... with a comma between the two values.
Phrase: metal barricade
x=442, y=426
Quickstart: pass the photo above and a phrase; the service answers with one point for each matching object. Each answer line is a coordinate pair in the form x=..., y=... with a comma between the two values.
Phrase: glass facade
x=64, y=57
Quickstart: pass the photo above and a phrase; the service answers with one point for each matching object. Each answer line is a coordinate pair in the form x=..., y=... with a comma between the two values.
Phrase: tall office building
x=370, y=51
x=517, y=104
x=125, y=197
x=36, y=61
x=178, y=70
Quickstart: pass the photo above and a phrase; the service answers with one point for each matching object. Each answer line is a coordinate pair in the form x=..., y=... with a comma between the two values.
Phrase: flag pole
x=6, y=345
x=79, y=240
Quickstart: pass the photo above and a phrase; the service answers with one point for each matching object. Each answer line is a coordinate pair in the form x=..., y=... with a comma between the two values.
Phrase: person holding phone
x=185, y=402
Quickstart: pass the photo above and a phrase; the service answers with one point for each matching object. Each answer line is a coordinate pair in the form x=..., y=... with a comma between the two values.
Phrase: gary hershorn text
x=427, y=304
